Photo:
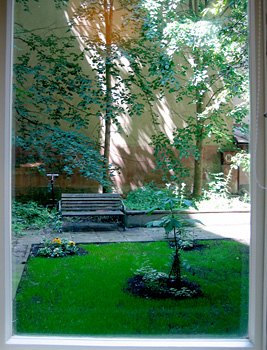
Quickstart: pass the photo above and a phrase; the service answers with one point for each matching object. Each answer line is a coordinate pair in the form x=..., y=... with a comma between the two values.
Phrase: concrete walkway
x=216, y=226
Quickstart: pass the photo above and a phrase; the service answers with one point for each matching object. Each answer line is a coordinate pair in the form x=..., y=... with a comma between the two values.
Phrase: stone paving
x=217, y=226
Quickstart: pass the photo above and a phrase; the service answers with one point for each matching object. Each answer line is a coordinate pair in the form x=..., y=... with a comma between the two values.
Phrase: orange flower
x=56, y=240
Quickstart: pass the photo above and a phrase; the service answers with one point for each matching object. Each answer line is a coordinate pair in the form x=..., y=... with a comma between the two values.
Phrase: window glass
x=123, y=109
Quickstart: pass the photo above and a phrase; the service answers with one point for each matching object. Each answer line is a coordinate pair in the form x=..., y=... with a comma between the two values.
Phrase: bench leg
x=123, y=222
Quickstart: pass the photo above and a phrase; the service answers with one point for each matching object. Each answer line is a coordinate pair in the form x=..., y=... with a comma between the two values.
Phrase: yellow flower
x=56, y=240
x=71, y=243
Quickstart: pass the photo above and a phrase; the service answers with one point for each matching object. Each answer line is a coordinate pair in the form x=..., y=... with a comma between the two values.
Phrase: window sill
x=104, y=343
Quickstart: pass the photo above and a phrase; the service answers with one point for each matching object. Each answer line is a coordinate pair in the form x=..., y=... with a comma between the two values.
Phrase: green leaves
x=209, y=44
x=175, y=223
x=198, y=55
x=63, y=152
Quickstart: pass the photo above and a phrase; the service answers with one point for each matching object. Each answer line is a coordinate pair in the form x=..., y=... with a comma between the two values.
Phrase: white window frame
x=258, y=261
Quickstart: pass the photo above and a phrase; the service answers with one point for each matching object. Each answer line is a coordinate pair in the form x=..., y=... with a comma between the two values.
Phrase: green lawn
x=83, y=295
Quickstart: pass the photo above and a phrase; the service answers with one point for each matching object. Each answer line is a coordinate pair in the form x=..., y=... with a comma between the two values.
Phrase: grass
x=83, y=295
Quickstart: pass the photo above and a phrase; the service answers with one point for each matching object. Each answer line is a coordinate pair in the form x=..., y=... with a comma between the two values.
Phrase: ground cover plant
x=87, y=295
x=151, y=196
x=31, y=215
x=143, y=198
x=214, y=197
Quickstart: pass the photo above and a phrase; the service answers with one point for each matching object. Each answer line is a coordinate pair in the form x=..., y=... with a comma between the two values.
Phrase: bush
x=142, y=198
x=150, y=196
x=33, y=216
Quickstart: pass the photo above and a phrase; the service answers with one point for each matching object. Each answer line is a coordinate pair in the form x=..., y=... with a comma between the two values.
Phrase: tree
x=97, y=18
x=119, y=55
x=139, y=52
x=208, y=43
x=50, y=82
x=177, y=226
x=47, y=77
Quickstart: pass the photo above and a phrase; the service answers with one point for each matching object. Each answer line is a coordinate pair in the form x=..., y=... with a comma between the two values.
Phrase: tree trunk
x=198, y=172
x=108, y=8
x=176, y=263
x=107, y=122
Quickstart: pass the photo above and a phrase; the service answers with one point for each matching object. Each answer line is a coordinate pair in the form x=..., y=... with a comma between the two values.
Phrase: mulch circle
x=137, y=287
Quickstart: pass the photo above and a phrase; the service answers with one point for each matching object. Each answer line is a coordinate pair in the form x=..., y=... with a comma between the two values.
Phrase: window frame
x=258, y=260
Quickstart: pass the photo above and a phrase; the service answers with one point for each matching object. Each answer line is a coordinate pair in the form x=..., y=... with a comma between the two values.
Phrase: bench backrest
x=90, y=202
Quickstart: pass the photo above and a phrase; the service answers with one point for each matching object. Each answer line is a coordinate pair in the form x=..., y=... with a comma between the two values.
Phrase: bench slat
x=103, y=204
x=86, y=201
x=91, y=209
x=86, y=205
x=92, y=213
x=92, y=203
x=90, y=195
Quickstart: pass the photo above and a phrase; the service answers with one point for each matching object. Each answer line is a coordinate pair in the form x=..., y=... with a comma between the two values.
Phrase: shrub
x=143, y=198
x=150, y=196
x=33, y=216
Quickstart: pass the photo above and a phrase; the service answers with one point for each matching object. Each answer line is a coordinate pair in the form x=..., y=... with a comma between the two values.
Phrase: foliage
x=169, y=154
x=209, y=42
x=218, y=195
x=220, y=183
x=194, y=51
x=132, y=71
x=93, y=286
x=30, y=215
x=49, y=120
x=177, y=224
x=57, y=248
x=157, y=284
x=25, y=3
x=150, y=195
x=144, y=198
x=54, y=95
x=241, y=159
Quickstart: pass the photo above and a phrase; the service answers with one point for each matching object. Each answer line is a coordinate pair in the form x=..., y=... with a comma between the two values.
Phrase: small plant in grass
x=57, y=248
x=158, y=284
x=150, y=283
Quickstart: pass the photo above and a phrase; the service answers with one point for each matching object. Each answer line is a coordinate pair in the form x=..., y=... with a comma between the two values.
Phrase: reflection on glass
x=131, y=129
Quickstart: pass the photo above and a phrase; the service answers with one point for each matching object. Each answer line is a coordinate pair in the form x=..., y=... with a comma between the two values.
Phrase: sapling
x=175, y=223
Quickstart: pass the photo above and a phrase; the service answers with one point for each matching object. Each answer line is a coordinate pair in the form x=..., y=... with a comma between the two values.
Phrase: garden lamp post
x=52, y=176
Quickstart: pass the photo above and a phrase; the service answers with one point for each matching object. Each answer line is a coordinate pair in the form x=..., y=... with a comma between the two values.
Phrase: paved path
x=216, y=226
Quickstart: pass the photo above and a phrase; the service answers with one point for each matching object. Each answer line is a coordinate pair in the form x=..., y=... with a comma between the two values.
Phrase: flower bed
x=57, y=248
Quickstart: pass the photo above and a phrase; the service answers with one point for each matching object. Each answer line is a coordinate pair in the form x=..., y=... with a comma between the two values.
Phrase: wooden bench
x=95, y=204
